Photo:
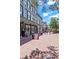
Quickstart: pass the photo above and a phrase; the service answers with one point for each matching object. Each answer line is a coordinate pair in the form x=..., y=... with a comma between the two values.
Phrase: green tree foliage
x=54, y=24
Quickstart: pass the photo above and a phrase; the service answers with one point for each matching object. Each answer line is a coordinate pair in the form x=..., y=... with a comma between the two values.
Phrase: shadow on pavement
x=52, y=53
x=24, y=40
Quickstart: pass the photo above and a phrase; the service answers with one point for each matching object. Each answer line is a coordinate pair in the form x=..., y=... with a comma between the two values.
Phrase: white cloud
x=50, y=2
x=40, y=2
x=45, y=14
x=57, y=15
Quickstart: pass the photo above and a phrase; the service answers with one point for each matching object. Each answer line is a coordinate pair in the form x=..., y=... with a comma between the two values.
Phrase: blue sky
x=45, y=12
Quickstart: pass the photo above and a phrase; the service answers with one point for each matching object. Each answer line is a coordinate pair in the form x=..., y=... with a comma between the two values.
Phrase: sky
x=45, y=10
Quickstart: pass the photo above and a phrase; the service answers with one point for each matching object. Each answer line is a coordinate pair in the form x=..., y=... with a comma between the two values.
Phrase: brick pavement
x=44, y=41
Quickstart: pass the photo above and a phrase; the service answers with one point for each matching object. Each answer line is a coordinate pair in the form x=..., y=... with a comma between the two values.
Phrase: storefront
x=28, y=27
x=22, y=28
x=34, y=29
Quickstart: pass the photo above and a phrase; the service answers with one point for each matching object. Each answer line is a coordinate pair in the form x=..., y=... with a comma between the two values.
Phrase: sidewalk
x=42, y=44
x=24, y=40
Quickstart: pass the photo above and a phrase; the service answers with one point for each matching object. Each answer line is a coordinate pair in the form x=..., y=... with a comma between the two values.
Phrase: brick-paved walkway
x=42, y=44
x=24, y=40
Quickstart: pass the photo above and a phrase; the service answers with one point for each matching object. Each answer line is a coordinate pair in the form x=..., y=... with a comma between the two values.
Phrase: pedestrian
x=33, y=36
x=23, y=33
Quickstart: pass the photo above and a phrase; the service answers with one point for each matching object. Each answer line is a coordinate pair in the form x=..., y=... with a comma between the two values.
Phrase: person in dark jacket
x=23, y=33
x=33, y=36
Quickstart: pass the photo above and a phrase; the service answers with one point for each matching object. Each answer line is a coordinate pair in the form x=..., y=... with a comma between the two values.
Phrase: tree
x=54, y=24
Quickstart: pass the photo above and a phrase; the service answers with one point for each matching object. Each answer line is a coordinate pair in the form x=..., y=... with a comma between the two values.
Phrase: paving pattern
x=42, y=43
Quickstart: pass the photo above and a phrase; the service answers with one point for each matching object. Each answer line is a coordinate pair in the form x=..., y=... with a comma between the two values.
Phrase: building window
x=21, y=10
x=29, y=5
x=28, y=29
x=25, y=13
x=32, y=29
x=29, y=16
x=25, y=3
x=21, y=2
x=32, y=17
x=33, y=10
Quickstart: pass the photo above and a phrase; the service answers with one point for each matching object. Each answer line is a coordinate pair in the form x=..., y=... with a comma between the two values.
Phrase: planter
x=36, y=36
